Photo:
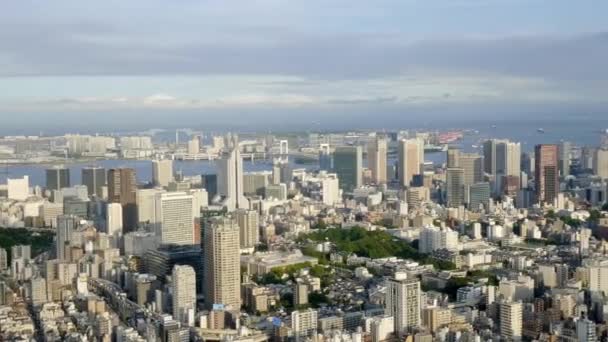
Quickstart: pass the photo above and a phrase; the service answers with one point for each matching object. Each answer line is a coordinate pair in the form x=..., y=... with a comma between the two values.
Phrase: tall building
x=114, y=219
x=122, y=188
x=222, y=273
x=403, y=302
x=325, y=158
x=174, y=219
x=230, y=179
x=376, y=159
x=194, y=145
x=184, y=293
x=586, y=330
x=146, y=201
x=433, y=238
x=348, y=165
x=18, y=189
x=600, y=163
x=453, y=157
x=511, y=323
x=162, y=172
x=565, y=158
x=95, y=179
x=304, y=324
x=454, y=187
x=546, y=173
x=248, y=221
x=57, y=178
x=502, y=157
x=409, y=160
x=472, y=164
x=479, y=196
x=3, y=259
x=66, y=225
x=209, y=183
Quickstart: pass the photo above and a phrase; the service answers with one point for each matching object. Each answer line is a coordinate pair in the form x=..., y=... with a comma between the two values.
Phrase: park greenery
x=39, y=241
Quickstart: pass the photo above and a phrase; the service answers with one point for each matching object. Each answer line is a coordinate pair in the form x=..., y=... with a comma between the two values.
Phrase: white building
x=434, y=238
x=230, y=179
x=18, y=189
x=304, y=324
x=249, y=222
x=511, y=323
x=403, y=302
x=174, y=222
x=114, y=219
x=162, y=172
x=184, y=293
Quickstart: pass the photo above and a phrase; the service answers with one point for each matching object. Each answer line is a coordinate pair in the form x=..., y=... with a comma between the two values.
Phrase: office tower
x=230, y=179
x=304, y=324
x=66, y=225
x=600, y=163
x=330, y=189
x=3, y=259
x=146, y=199
x=184, y=293
x=114, y=219
x=403, y=302
x=415, y=196
x=586, y=330
x=281, y=172
x=209, y=183
x=376, y=159
x=159, y=262
x=174, y=220
x=454, y=187
x=479, y=196
x=18, y=189
x=95, y=179
x=409, y=160
x=122, y=188
x=162, y=172
x=38, y=291
x=433, y=238
x=472, y=164
x=255, y=182
x=57, y=178
x=502, y=157
x=565, y=155
x=348, y=164
x=222, y=262
x=546, y=175
x=248, y=221
x=325, y=159
x=511, y=320
x=453, y=157
x=194, y=145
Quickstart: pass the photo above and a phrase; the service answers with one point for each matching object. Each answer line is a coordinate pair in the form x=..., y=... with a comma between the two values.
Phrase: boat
x=540, y=130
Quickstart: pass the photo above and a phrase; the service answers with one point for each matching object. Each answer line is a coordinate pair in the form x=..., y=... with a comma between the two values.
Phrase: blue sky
x=315, y=56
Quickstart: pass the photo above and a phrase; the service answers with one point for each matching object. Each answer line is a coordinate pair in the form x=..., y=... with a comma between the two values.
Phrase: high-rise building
x=454, y=187
x=160, y=261
x=18, y=189
x=511, y=323
x=230, y=179
x=453, y=157
x=376, y=159
x=586, y=330
x=472, y=164
x=433, y=238
x=162, y=172
x=57, y=178
x=546, y=173
x=565, y=158
x=184, y=293
x=66, y=225
x=38, y=291
x=95, y=179
x=600, y=163
x=304, y=324
x=248, y=221
x=194, y=145
x=403, y=302
x=222, y=262
x=174, y=220
x=409, y=160
x=325, y=158
x=348, y=165
x=502, y=157
x=146, y=199
x=3, y=259
x=114, y=219
x=479, y=196
x=122, y=188
x=209, y=183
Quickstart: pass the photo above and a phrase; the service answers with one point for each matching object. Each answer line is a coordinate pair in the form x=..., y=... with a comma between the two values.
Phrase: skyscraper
x=162, y=172
x=376, y=159
x=122, y=188
x=511, y=323
x=184, y=293
x=209, y=183
x=95, y=179
x=57, y=178
x=66, y=225
x=502, y=157
x=248, y=221
x=453, y=156
x=454, y=187
x=403, y=302
x=409, y=160
x=565, y=156
x=222, y=275
x=600, y=163
x=348, y=165
x=174, y=220
x=230, y=179
x=472, y=164
x=114, y=219
x=479, y=194
x=546, y=173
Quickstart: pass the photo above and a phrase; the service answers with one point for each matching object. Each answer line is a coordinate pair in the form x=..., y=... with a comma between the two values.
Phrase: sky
x=72, y=64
